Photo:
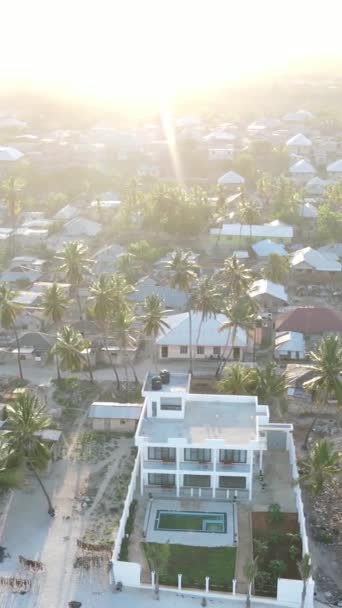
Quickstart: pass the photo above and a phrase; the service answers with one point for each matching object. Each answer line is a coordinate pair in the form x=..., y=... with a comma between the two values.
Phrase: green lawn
x=190, y=521
x=195, y=563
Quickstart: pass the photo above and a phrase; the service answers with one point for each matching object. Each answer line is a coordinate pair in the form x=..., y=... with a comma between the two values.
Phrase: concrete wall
x=174, y=353
x=107, y=424
x=289, y=592
x=127, y=573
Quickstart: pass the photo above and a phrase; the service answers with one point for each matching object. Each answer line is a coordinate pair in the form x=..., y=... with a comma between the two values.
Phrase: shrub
x=275, y=514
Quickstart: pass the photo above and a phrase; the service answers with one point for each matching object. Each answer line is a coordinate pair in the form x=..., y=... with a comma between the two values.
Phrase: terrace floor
x=278, y=483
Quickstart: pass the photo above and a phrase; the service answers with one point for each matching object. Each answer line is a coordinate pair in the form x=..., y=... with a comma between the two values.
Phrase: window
x=164, y=352
x=233, y=456
x=161, y=479
x=217, y=350
x=236, y=353
x=196, y=455
x=154, y=408
x=167, y=454
x=183, y=350
x=200, y=350
x=197, y=481
x=173, y=407
x=238, y=483
x=122, y=421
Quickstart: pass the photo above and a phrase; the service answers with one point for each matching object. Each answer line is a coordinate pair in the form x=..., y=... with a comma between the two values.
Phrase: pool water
x=191, y=521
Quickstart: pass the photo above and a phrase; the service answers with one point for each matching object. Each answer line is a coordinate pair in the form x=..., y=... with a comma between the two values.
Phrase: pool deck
x=184, y=537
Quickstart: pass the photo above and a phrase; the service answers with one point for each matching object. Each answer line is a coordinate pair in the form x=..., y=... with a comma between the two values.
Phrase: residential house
x=334, y=170
x=105, y=259
x=231, y=180
x=30, y=237
x=80, y=226
x=17, y=273
x=302, y=171
x=289, y=345
x=270, y=296
x=174, y=299
x=313, y=322
x=314, y=266
x=316, y=186
x=66, y=213
x=237, y=234
x=299, y=144
x=266, y=247
x=209, y=343
x=34, y=346
x=109, y=416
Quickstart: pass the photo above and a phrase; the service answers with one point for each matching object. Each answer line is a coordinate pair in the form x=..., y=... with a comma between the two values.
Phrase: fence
x=298, y=493
x=125, y=512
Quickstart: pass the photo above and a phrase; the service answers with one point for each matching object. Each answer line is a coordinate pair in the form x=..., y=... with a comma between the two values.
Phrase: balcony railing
x=160, y=465
x=198, y=465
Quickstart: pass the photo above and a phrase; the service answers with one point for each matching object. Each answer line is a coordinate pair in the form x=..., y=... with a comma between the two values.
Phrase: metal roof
x=114, y=411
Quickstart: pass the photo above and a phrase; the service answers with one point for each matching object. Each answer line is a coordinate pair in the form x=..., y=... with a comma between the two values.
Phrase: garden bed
x=278, y=547
x=194, y=563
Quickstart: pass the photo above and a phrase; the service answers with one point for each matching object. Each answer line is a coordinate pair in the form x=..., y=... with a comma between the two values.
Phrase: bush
x=275, y=514
x=128, y=531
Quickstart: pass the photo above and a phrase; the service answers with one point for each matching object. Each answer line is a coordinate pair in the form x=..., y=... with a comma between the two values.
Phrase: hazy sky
x=146, y=48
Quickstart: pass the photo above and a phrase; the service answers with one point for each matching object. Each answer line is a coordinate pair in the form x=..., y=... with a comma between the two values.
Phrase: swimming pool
x=191, y=521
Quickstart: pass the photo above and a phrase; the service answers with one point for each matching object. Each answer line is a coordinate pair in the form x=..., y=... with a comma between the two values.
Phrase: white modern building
x=200, y=446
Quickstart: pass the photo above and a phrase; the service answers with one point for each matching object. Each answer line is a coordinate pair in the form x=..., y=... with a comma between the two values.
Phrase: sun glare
x=158, y=47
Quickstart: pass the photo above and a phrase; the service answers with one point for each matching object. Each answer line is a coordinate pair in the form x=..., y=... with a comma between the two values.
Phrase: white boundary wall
x=298, y=493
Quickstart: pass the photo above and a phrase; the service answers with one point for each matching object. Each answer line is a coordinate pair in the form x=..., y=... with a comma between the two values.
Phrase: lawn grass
x=195, y=563
x=191, y=521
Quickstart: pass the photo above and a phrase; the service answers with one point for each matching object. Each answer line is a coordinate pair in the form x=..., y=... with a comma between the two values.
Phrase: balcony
x=233, y=467
x=159, y=465
x=196, y=466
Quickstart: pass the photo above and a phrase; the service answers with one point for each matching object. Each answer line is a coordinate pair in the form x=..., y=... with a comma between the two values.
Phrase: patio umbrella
x=9, y=154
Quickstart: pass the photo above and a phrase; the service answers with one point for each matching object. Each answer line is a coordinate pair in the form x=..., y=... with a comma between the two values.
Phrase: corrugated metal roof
x=111, y=410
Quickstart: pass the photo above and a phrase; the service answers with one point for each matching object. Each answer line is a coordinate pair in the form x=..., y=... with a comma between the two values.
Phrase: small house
x=110, y=416
x=289, y=345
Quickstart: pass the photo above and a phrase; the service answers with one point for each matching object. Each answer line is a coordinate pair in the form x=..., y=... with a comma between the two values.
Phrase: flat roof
x=232, y=423
x=111, y=410
x=179, y=383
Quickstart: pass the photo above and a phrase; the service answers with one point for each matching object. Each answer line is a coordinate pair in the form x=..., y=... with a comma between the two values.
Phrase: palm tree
x=327, y=367
x=26, y=419
x=54, y=303
x=238, y=380
x=101, y=295
x=120, y=290
x=144, y=252
x=277, y=268
x=250, y=571
x=249, y=215
x=9, y=311
x=70, y=346
x=11, y=189
x=10, y=469
x=123, y=325
x=183, y=271
x=153, y=319
x=206, y=298
x=320, y=466
x=239, y=315
x=235, y=278
x=305, y=569
x=271, y=386
x=75, y=265
x=129, y=265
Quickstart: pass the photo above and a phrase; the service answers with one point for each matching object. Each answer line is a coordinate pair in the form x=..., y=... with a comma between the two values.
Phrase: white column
x=251, y=476
x=261, y=452
x=179, y=582
x=177, y=484
x=207, y=584
x=153, y=578
x=142, y=471
x=234, y=586
x=214, y=476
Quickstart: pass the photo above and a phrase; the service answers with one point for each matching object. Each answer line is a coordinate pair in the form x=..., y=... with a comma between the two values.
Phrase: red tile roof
x=310, y=320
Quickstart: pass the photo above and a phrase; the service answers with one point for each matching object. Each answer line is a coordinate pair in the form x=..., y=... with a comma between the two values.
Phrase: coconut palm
x=249, y=215
x=123, y=329
x=250, y=571
x=327, y=367
x=26, y=419
x=206, y=298
x=9, y=311
x=305, y=569
x=101, y=298
x=54, y=303
x=11, y=189
x=240, y=315
x=183, y=274
x=320, y=466
x=144, y=252
x=153, y=319
x=235, y=278
x=10, y=469
x=129, y=265
x=277, y=268
x=120, y=291
x=72, y=350
x=75, y=265
x=238, y=380
x=270, y=385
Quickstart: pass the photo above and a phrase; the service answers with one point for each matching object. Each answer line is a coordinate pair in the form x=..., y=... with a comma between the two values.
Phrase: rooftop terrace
x=179, y=383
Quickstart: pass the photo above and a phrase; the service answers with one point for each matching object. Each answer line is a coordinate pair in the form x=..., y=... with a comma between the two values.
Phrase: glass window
x=161, y=479
x=168, y=454
x=197, y=481
x=217, y=350
x=183, y=350
x=200, y=350
x=233, y=456
x=173, y=407
x=238, y=483
x=197, y=455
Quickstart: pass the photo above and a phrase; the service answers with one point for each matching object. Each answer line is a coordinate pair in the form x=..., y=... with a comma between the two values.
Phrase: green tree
x=72, y=350
x=238, y=380
x=206, y=298
x=235, y=277
x=321, y=465
x=9, y=311
x=183, y=274
x=123, y=325
x=239, y=315
x=158, y=556
x=153, y=319
x=305, y=569
x=144, y=252
x=75, y=265
x=10, y=469
x=11, y=189
x=102, y=301
x=277, y=268
x=329, y=224
x=128, y=265
x=249, y=215
x=326, y=363
x=271, y=386
x=26, y=419
x=250, y=571
x=54, y=303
